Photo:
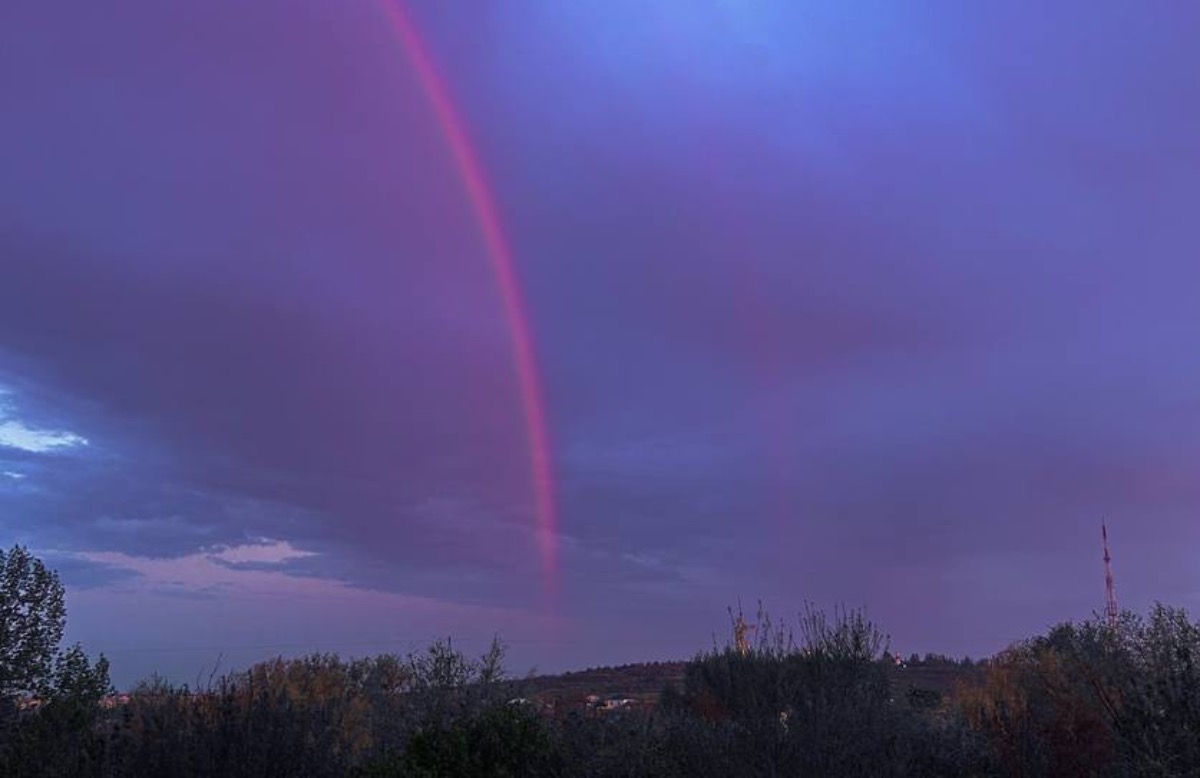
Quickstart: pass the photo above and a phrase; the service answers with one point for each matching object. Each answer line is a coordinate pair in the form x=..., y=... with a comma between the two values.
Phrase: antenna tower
x=1110, y=608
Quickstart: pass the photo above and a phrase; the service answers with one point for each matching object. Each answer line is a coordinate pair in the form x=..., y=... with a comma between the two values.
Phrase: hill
x=645, y=681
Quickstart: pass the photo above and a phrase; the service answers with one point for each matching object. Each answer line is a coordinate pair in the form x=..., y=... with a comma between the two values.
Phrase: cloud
x=15, y=434
x=836, y=320
x=264, y=553
x=209, y=573
x=77, y=571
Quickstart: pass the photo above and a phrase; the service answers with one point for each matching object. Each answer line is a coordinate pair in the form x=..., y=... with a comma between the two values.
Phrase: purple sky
x=875, y=303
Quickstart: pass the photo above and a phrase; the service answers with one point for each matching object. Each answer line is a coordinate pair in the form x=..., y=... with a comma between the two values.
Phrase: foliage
x=1090, y=699
x=820, y=706
x=50, y=695
x=501, y=740
x=32, y=618
x=316, y=715
x=1084, y=699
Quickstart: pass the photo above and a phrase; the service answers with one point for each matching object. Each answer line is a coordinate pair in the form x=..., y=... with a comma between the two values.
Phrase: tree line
x=821, y=699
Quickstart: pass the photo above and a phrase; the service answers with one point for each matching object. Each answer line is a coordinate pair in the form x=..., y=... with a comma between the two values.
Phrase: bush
x=1090, y=699
x=1084, y=699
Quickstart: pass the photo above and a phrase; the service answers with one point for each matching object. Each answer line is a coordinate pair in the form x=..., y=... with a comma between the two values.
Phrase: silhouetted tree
x=32, y=618
x=60, y=689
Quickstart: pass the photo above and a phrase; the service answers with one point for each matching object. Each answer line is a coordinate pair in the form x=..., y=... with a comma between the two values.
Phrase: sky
x=876, y=304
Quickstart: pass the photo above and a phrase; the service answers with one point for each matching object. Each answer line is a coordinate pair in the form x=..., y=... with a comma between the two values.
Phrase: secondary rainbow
x=500, y=257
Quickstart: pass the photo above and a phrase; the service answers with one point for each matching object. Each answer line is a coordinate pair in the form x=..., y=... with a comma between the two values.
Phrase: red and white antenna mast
x=1110, y=608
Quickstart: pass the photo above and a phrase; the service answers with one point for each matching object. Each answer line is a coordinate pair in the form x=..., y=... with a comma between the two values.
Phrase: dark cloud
x=81, y=573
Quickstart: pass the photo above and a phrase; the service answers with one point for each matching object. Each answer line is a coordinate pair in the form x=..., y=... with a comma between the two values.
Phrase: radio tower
x=1110, y=607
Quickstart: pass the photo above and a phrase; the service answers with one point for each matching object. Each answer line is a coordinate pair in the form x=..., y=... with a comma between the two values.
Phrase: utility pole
x=1110, y=607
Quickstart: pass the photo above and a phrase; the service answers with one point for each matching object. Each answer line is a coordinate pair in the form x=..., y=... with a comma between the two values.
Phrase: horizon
x=341, y=326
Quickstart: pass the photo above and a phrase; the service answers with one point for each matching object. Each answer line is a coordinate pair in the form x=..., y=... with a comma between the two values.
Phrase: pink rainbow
x=500, y=256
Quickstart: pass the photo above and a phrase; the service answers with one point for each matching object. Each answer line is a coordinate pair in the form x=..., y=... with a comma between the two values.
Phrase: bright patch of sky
x=267, y=551
x=14, y=433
